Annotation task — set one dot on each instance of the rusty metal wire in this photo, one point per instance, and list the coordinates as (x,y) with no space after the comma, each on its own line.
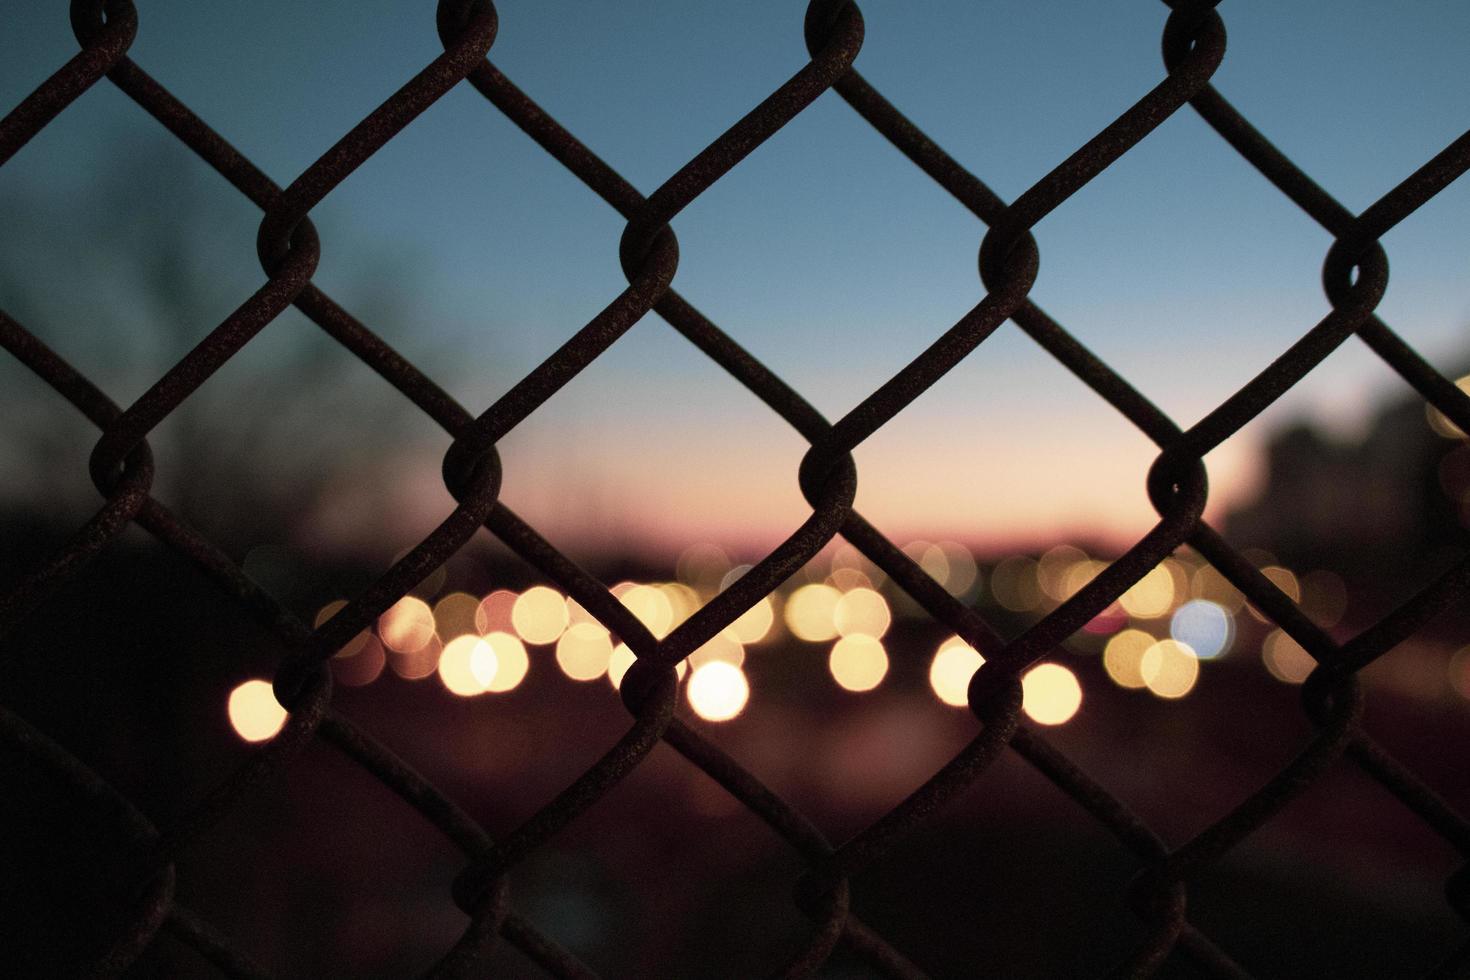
(1355,274)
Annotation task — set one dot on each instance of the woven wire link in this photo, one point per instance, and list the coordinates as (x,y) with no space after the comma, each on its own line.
(1355,275)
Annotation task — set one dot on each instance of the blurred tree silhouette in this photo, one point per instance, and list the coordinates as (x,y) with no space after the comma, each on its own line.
(122,279)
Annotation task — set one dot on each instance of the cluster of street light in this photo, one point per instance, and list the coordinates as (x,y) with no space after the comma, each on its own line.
(1153,638)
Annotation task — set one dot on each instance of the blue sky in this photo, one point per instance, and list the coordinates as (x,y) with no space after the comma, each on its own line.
(825,253)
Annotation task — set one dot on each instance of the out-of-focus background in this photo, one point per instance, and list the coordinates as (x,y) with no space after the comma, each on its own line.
(834,261)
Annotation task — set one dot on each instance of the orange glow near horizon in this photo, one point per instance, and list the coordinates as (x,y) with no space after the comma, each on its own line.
(1086,482)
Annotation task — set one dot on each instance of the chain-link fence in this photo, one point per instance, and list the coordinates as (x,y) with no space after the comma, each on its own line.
(134,895)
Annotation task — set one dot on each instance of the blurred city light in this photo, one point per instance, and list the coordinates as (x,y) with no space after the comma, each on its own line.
(1013,584)
(719,647)
(455,614)
(353,645)
(955,662)
(754,625)
(407,626)
(1285,658)
(718,691)
(466,665)
(651,607)
(1208,583)
(858,662)
(494,612)
(1440,422)
(362,666)
(511,662)
(811,612)
(618,663)
(1054,571)
(254,712)
(1169,668)
(702,566)
(861,611)
(1324,597)
(1050,694)
(1285,580)
(584,651)
(1151,596)
(1123,657)
(540,615)
(415,665)
(1204,627)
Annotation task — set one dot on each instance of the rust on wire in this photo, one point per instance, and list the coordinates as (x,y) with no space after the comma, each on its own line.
(1355,274)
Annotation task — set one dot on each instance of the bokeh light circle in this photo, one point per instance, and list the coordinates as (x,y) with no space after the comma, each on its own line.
(1123,657)
(811,612)
(584,651)
(753,625)
(407,625)
(862,611)
(1170,669)
(718,691)
(955,662)
(466,665)
(1204,626)
(1151,596)
(858,662)
(254,712)
(1285,658)
(540,615)
(1051,694)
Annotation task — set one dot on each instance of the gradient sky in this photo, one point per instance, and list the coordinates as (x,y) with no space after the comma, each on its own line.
(825,253)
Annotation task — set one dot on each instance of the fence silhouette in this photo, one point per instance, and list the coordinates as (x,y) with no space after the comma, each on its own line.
(1354,277)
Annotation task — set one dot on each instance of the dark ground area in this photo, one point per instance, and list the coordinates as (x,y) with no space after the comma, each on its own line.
(324,872)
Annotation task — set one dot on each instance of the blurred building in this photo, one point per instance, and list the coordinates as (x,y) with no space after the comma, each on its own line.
(1376,510)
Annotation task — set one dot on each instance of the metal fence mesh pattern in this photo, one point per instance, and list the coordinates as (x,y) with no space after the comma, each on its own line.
(1355,275)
